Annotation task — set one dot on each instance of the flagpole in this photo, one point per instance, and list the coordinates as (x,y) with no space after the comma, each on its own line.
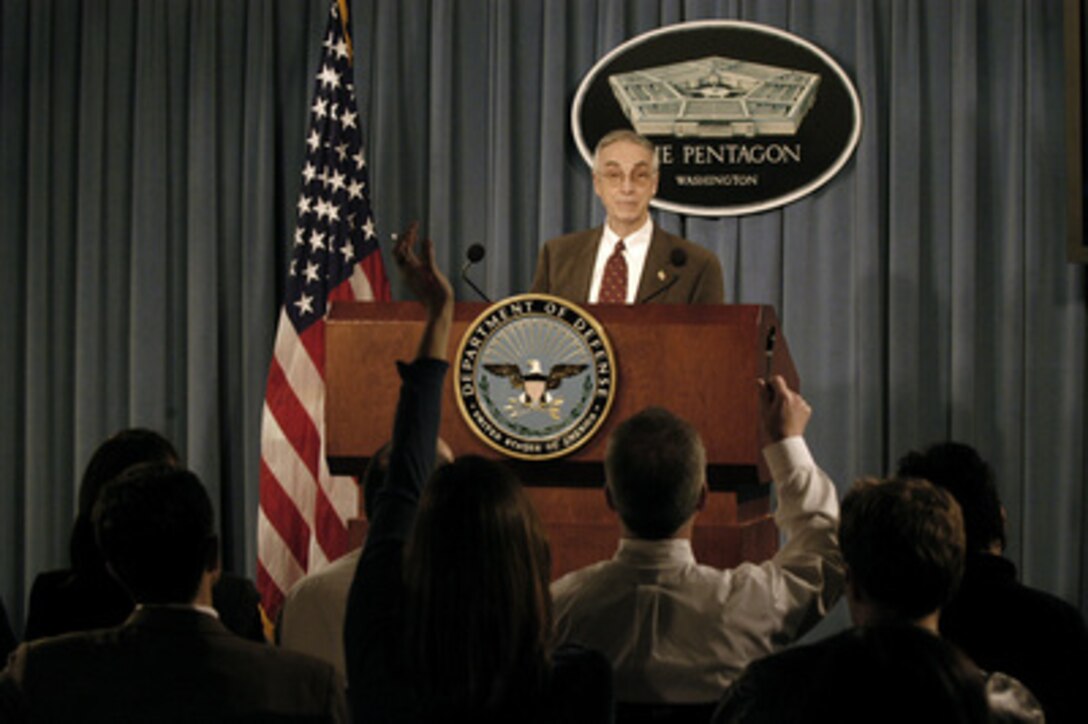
(345,23)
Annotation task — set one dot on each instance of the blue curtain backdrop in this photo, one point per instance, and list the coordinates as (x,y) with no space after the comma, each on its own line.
(149,161)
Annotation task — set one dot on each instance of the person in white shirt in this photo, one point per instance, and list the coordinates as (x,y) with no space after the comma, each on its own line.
(677,631)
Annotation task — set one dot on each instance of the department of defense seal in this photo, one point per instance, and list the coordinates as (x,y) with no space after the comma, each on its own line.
(535,376)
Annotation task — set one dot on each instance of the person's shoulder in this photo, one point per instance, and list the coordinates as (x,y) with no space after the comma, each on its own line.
(991,581)
(316,588)
(693,250)
(797,660)
(68,647)
(49,580)
(574,238)
(582,580)
(342,568)
(1010,701)
(257,657)
(770,687)
(1053,605)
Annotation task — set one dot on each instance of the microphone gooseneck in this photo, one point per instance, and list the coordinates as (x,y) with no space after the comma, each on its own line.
(474,254)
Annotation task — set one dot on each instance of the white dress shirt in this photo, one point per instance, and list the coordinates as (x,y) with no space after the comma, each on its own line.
(677,631)
(636,247)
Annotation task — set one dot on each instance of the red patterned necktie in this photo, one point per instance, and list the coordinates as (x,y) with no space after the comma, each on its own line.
(614,281)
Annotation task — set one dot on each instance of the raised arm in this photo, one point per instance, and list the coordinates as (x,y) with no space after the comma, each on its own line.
(415,429)
(430,286)
(375,602)
(808,565)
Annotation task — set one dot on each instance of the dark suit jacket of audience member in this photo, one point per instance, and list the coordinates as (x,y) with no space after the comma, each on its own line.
(565,269)
(1031,635)
(63,602)
(886,674)
(168,665)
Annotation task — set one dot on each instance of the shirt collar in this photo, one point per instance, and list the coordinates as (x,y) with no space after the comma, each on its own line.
(666,553)
(206,610)
(637,241)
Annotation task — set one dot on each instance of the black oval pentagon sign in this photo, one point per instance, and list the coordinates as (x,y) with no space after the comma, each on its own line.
(745,117)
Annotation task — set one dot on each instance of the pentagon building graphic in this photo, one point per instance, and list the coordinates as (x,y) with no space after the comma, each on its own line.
(715,97)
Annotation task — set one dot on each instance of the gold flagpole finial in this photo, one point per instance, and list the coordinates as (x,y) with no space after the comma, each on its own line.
(345,26)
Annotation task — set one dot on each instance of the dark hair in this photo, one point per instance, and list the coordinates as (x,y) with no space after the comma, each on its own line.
(123,450)
(154,525)
(896,675)
(476,572)
(655,468)
(903,540)
(960,470)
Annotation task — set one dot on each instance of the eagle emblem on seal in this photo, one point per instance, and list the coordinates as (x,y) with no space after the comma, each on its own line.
(536,386)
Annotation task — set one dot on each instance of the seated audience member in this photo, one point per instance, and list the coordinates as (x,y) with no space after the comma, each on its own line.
(171,661)
(449,617)
(894,674)
(7,636)
(903,543)
(312,617)
(677,631)
(1000,623)
(85,596)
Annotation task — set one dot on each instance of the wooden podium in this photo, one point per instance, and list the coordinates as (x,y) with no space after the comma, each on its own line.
(700,362)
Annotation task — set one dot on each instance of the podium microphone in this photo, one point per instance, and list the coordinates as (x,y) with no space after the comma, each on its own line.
(475,254)
(677,258)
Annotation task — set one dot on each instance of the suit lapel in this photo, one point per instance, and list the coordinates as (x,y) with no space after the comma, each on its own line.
(581,271)
(657,260)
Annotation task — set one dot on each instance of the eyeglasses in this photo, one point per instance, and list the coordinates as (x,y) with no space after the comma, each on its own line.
(640,177)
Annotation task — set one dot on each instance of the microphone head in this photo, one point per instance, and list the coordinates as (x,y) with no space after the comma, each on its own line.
(476,252)
(678,257)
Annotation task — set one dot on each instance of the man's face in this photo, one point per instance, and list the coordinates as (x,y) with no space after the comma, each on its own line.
(625,181)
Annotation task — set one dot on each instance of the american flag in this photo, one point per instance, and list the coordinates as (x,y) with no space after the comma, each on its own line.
(301,523)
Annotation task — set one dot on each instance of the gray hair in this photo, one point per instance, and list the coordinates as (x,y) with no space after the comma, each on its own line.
(655,468)
(625,134)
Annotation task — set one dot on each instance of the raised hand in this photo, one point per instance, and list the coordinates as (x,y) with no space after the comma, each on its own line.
(784,413)
(420,272)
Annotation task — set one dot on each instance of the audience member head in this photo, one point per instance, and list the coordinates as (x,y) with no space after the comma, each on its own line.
(896,675)
(476,570)
(960,470)
(154,526)
(121,451)
(655,472)
(903,543)
(378,468)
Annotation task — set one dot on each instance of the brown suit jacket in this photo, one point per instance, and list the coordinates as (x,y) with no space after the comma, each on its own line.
(565,268)
(166,665)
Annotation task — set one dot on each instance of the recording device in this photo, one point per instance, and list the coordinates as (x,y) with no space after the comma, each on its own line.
(677,259)
(768,360)
(474,254)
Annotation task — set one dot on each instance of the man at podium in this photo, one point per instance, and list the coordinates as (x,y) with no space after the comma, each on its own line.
(628,260)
